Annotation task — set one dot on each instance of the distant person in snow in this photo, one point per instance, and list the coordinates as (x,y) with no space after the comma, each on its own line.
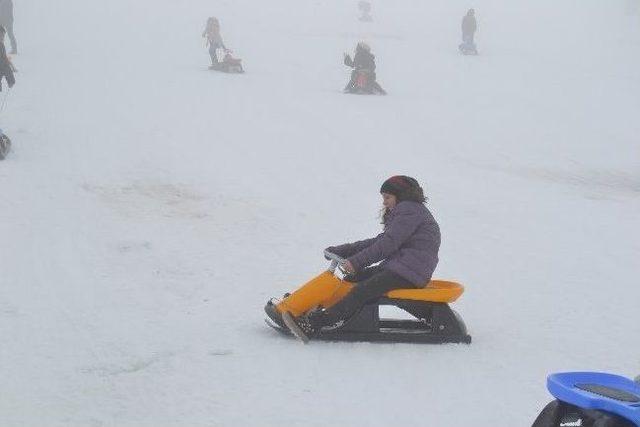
(363,76)
(365,10)
(6,71)
(214,40)
(6,67)
(6,20)
(469,28)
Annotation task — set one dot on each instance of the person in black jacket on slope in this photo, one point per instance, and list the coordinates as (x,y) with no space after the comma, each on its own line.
(363,76)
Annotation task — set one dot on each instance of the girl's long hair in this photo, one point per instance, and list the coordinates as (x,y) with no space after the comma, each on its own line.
(413,193)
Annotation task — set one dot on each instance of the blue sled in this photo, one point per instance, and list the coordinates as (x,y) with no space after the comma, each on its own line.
(599,391)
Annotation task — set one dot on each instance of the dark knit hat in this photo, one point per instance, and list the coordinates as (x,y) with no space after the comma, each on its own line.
(398,185)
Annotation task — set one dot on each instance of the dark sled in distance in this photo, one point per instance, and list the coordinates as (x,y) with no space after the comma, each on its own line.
(229,64)
(364,84)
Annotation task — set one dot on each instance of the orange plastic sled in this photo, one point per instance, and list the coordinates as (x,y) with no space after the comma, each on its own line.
(326,289)
(433,321)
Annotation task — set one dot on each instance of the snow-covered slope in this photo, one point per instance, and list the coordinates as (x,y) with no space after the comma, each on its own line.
(150,207)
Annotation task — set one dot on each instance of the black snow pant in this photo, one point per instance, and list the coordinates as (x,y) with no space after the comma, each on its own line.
(370,284)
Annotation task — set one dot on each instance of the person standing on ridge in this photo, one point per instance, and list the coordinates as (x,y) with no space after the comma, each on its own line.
(6,71)
(365,10)
(6,68)
(6,20)
(469,28)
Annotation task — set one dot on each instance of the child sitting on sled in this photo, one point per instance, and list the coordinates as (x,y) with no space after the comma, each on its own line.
(408,248)
(364,67)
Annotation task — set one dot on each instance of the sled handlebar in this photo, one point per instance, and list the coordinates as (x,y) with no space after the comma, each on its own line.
(335,260)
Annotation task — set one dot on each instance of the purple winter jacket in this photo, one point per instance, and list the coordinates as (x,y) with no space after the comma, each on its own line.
(408,246)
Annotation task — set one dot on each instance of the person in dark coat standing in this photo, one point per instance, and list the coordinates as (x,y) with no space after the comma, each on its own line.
(407,253)
(469,27)
(363,61)
(6,71)
(6,20)
(6,68)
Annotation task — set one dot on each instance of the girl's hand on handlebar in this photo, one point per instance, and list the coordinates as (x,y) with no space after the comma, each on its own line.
(347,267)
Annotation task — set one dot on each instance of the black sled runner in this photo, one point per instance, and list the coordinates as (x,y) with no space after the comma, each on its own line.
(431,318)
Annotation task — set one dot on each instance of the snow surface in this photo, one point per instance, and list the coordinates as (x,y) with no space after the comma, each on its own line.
(149,207)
